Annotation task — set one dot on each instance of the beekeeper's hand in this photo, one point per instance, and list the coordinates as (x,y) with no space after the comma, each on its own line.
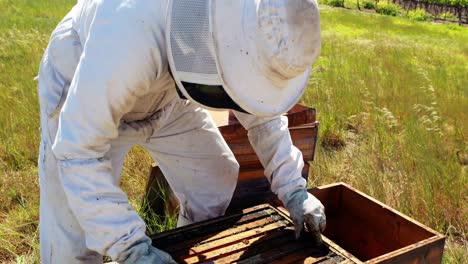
(304,208)
(144,253)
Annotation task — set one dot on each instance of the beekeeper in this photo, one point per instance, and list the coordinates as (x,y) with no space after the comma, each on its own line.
(126,72)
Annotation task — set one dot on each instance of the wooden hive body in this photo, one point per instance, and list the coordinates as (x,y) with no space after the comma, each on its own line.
(359,229)
(261,234)
(373,232)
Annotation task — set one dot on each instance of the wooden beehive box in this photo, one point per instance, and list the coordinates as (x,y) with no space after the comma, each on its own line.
(372,232)
(260,234)
(359,230)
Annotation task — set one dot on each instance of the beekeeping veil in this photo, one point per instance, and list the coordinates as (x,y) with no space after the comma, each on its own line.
(248,55)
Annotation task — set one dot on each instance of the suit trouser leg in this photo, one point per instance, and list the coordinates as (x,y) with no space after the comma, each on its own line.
(198,164)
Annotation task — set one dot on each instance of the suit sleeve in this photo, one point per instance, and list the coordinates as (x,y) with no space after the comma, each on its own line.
(283,162)
(117,66)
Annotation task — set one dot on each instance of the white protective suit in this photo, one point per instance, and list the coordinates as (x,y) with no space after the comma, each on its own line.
(105,86)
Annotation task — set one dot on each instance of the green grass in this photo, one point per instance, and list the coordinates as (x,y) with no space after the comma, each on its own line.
(395,93)
(391,96)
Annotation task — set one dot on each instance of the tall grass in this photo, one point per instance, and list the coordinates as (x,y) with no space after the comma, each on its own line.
(391,97)
(25,27)
(394,93)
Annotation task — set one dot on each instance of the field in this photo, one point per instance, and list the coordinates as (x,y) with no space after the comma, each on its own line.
(391,97)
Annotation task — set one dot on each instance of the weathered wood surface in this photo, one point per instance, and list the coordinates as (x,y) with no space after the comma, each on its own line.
(260,234)
(374,232)
(303,137)
(359,229)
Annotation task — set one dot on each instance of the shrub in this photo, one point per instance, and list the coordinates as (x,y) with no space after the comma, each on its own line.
(388,9)
(418,14)
(448,16)
(335,3)
(368,4)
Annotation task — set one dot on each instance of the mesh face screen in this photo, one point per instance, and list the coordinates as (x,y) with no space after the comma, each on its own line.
(191,43)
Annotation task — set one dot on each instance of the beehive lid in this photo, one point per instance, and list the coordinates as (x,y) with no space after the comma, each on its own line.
(261,234)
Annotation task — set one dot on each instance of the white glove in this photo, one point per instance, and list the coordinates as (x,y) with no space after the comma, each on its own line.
(144,253)
(303,208)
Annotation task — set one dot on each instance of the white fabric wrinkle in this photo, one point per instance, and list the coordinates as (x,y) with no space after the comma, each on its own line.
(115,65)
(272,143)
(147,128)
(51,90)
(161,117)
(64,58)
(100,206)
(55,74)
(199,165)
(111,71)
(123,66)
(183,221)
(53,84)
